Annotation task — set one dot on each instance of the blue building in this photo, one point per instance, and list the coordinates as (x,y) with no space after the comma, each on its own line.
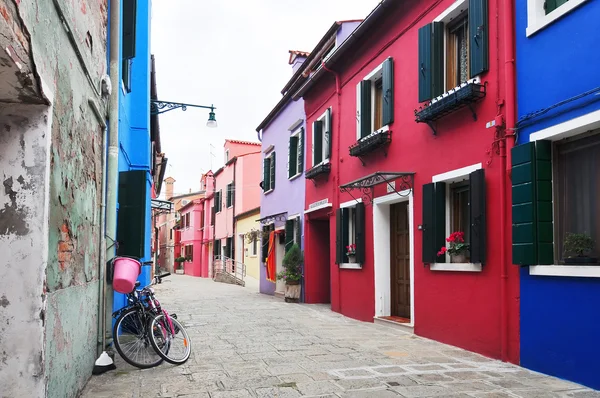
(137,140)
(556,186)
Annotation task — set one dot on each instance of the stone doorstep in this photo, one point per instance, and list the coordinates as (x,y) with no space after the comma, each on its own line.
(396,325)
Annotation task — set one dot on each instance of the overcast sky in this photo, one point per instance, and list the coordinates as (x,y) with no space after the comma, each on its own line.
(233,54)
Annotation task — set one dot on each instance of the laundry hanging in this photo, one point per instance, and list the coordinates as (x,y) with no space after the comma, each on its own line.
(271,263)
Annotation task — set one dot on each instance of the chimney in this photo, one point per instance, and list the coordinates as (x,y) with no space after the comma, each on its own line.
(297,58)
(169,187)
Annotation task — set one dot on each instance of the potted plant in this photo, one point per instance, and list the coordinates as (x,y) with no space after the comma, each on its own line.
(458,248)
(351,253)
(292,273)
(179,260)
(579,245)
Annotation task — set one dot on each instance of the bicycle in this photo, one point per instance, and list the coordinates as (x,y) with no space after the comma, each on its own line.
(143,323)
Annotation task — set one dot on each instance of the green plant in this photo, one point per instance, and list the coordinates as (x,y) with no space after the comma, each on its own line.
(457,244)
(180,259)
(253,235)
(292,264)
(578,244)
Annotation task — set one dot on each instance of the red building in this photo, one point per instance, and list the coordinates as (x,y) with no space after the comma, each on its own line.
(405,121)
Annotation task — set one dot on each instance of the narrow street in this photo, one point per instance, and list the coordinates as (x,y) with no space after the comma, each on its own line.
(250,345)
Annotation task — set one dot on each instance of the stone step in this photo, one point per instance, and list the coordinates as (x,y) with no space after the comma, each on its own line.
(406,327)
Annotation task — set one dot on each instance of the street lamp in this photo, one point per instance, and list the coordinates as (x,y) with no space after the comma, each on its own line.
(157,107)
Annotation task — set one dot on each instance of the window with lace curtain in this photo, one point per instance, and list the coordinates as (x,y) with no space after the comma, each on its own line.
(457,52)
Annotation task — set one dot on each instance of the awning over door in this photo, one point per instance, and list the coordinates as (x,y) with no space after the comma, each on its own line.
(364,187)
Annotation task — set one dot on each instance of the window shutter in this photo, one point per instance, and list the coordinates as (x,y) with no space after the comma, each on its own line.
(359,228)
(289,235)
(212,215)
(232,194)
(327,135)
(273,171)
(317,142)
(478,36)
(425,76)
(265,243)
(388,91)
(301,151)
(298,232)
(232,248)
(228,195)
(293,157)
(345,233)
(339,251)
(266,174)
(437,59)
(429,250)
(477,216)
(365,108)
(544,207)
(220,202)
(440,219)
(131,220)
(358,118)
(129,16)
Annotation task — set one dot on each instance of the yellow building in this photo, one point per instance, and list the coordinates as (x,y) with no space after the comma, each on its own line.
(247,247)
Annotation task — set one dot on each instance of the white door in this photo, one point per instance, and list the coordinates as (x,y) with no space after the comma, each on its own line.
(280,285)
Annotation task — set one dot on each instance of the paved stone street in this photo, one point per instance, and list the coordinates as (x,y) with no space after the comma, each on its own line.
(245,344)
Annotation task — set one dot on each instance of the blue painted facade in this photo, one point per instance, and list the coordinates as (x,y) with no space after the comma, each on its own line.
(134,125)
(557,72)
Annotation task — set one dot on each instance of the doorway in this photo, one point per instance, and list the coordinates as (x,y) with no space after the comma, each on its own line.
(400,261)
(317,263)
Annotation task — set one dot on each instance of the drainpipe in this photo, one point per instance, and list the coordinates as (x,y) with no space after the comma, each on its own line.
(112,178)
(234,238)
(509,89)
(336,192)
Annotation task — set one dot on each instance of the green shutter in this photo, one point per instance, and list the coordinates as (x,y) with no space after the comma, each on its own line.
(129,16)
(339,251)
(365,108)
(477,216)
(359,237)
(289,234)
(437,59)
(551,5)
(317,142)
(327,141)
(425,76)
(293,157)
(273,171)
(345,240)
(301,151)
(265,243)
(131,217)
(429,249)
(440,219)
(228,195)
(266,174)
(298,232)
(478,36)
(532,204)
(388,91)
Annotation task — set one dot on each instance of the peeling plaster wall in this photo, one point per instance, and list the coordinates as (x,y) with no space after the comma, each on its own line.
(23,244)
(53,33)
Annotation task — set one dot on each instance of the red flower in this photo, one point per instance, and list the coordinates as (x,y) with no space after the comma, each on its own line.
(442,251)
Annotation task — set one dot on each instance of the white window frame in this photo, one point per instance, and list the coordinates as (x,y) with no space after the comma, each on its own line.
(537,18)
(446,17)
(296,133)
(570,128)
(326,122)
(351,204)
(450,177)
(269,156)
(373,76)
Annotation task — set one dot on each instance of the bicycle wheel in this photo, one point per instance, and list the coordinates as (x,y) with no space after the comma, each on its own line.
(174,347)
(132,341)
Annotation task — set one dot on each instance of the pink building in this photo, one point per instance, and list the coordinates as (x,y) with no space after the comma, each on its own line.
(191,228)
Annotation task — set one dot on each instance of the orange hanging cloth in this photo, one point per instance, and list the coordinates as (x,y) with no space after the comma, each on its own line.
(271,265)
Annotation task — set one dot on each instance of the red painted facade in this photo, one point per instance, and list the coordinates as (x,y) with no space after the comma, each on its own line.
(466,309)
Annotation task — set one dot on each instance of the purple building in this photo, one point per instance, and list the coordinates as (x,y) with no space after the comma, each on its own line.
(282,134)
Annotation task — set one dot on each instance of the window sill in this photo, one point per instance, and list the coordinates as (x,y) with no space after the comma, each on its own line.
(350,266)
(542,20)
(460,267)
(269,191)
(294,176)
(577,271)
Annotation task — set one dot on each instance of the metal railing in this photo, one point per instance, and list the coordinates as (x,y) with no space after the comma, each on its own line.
(226,265)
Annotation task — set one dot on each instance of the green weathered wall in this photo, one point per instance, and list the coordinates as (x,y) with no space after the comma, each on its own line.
(72,273)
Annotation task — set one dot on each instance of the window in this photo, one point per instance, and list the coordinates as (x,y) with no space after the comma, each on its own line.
(128,41)
(296,153)
(202,219)
(293,233)
(321,139)
(189,252)
(230,193)
(227,156)
(170,234)
(217,247)
(453,48)
(218,201)
(350,230)
(229,248)
(375,100)
(455,202)
(254,247)
(187,220)
(269,173)
(543,12)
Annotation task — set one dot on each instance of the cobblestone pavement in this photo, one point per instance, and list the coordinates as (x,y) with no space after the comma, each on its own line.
(245,344)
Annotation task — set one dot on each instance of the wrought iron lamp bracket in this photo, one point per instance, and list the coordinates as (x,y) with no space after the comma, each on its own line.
(157,107)
(273,218)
